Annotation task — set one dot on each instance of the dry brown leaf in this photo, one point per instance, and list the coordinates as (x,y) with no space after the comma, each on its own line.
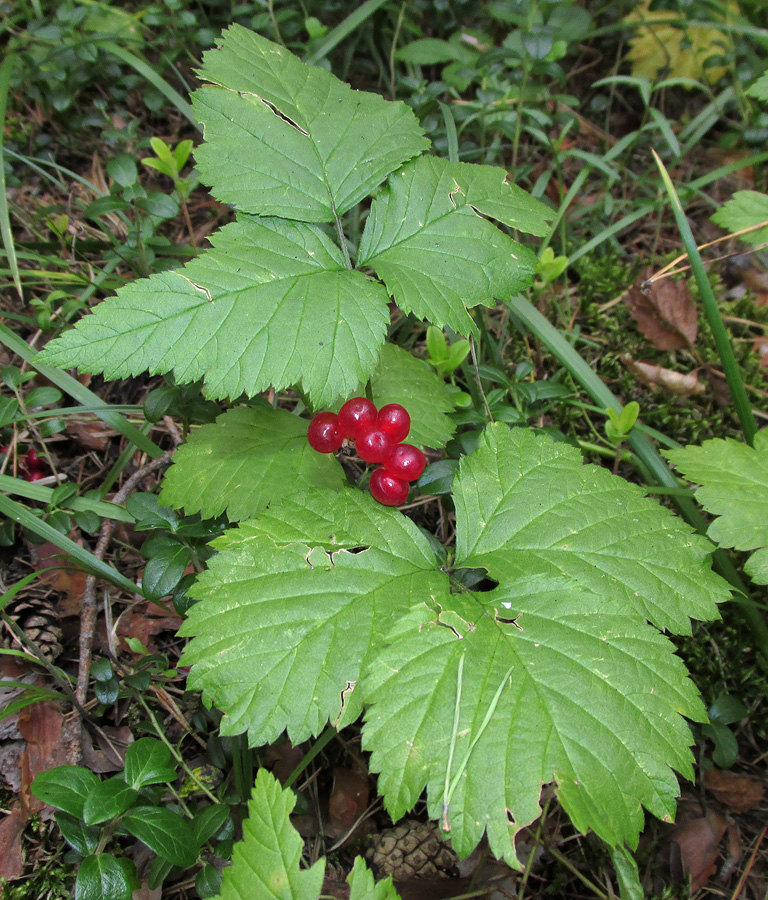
(49,744)
(667,314)
(113,741)
(11,853)
(741,793)
(65,577)
(698,839)
(91,433)
(680,384)
(144,621)
(348,800)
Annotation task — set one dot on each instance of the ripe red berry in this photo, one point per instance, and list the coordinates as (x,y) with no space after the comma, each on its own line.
(394,419)
(404,461)
(387,489)
(324,433)
(357,416)
(34,475)
(372,445)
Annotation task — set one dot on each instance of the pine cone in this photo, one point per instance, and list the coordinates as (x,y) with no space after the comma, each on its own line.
(37,618)
(412,850)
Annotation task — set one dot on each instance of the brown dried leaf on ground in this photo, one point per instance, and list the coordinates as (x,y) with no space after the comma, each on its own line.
(144,621)
(91,433)
(741,793)
(666,314)
(680,384)
(11,852)
(695,843)
(348,800)
(49,744)
(65,577)
(113,741)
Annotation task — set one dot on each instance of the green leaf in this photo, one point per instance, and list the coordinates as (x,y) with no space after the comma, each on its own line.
(148,761)
(745,209)
(108,799)
(286,139)
(165,832)
(426,239)
(81,837)
(401,378)
(288,615)
(526,505)
(249,458)
(65,787)
(102,877)
(734,488)
(265,864)
(759,88)
(158,204)
(123,170)
(209,821)
(164,570)
(272,304)
(148,512)
(432,51)
(362,885)
(555,687)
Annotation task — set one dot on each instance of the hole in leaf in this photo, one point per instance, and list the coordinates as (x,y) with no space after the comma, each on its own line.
(476,580)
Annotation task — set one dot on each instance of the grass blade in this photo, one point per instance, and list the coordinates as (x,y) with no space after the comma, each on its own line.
(6,70)
(712,312)
(80,392)
(336,35)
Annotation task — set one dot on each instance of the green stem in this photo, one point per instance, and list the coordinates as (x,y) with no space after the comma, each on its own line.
(712,312)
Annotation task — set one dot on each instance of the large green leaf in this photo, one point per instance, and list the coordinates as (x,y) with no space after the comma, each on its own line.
(401,378)
(734,487)
(328,603)
(247,459)
(554,687)
(294,603)
(526,505)
(271,304)
(286,139)
(425,238)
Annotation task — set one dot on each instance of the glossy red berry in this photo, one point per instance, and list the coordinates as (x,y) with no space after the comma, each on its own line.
(31,460)
(372,445)
(324,433)
(395,421)
(404,461)
(357,416)
(387,489)
(34,475)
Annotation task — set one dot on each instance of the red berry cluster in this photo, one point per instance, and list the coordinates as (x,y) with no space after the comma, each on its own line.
(378,437)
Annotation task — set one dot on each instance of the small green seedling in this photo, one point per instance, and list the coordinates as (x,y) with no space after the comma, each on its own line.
(170,162)
(446,358)
(549,267)
(619,425)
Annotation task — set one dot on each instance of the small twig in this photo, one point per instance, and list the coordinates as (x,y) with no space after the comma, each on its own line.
(89,609)
(750,863)
(473,351)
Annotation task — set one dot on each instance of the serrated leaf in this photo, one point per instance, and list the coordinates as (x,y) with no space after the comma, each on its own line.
(249,458)
(287,139)
(425,238)
(402,378)
(288,614)
(745,209)
(362,885)
(265,864)
(553,688)
(165,832)
(760,88)
(734,487)
(271,305)
(526,505)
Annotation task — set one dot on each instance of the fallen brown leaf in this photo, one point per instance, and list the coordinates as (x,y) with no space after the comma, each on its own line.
(65,577)
(144,621)
(348,800)
(678,383)
(666,314)
(11,852)
(697,838)
(49,744)
(91,433)
(741,793)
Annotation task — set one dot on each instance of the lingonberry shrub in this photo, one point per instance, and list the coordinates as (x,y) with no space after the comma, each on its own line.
(563,672)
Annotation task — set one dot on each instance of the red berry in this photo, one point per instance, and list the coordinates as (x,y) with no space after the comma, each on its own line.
(373,445)
(324,434)
(34,475)
(394,419)
(404,461)
(387,489)
(357,416)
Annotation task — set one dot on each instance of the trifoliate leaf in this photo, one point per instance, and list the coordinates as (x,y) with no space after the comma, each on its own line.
(401,378)
(293,605)
(526,505)
(425,238)
(271,305)
(745,210)
(249,458)
(286,139)
(266,863)
(486,697)
(734,487)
